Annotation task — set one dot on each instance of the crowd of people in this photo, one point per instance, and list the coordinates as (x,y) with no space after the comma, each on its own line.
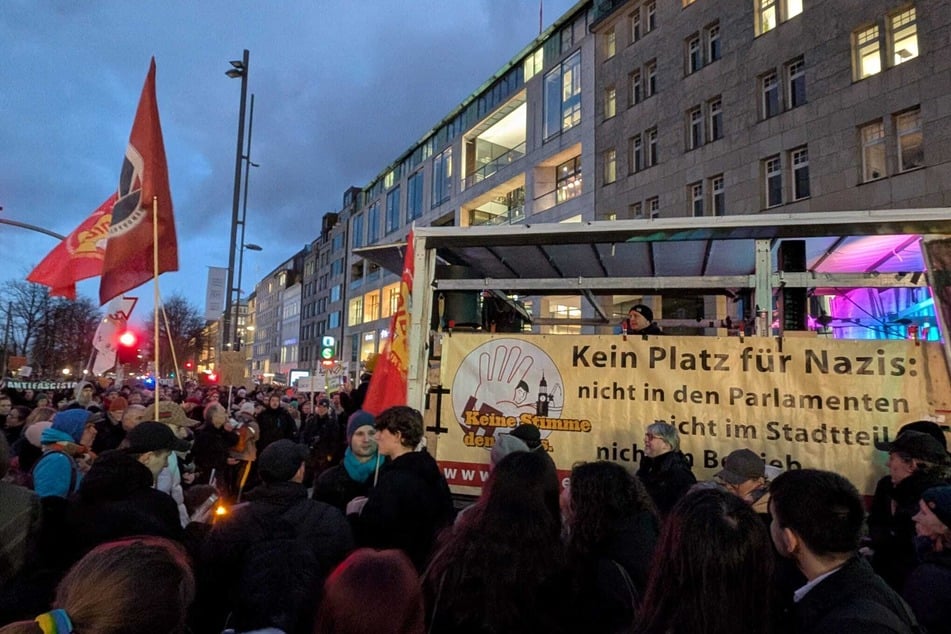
(233,510)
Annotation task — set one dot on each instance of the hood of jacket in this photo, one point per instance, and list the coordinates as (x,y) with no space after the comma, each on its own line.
(114,475)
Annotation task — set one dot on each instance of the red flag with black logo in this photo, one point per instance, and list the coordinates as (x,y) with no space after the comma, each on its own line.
(388,386)
(128,260)
(78,256)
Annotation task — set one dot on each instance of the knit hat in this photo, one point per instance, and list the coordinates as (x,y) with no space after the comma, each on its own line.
(72,422)
(118,404)
(169,413)
(917,445)
(645,311)
(324,402)
(742,465)
(246,408)
(938,500)
(504,445)
(357,420)
(280,460)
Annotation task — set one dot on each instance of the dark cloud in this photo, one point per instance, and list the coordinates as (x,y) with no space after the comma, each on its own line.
(341,90)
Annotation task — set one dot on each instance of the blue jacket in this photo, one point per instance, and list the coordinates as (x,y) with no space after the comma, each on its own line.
(53,472)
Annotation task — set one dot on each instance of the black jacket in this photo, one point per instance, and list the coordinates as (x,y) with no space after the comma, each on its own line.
(666,478)
(211,450)
(892,535)
(928,590)
(853,600)
(266,562)
(408,507)
(275,424)
(336,488)
(116,499)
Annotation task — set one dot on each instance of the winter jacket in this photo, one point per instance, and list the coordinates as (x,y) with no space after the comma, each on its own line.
(275,424)
(266,562)
(169,481)
(928,589)
(53,474)
(210,451)
(19,528)
(892,535)
(336,487)
(408,507)
(116,500)
(666,478)
(853,600)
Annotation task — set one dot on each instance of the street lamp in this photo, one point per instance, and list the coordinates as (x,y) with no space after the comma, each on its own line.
(250,246)
(238,69)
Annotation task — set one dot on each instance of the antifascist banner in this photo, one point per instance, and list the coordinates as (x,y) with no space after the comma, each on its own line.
(388,385)
(79,256)
(798,402)
(128,259)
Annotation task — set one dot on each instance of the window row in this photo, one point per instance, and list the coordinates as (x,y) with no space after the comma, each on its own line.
(785,177)
(907,131)
(704,123)
(702,48)
(782,89)
(365,227)
(650,205)
(707,198)
(876,46)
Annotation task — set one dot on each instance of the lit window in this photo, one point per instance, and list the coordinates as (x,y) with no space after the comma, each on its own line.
(873,151)
(651,84)
(793,8)
(796,83)
(371,304)
(770,92)
(903,31)
(695,123)
(910,151)
(637,153)
(610,166)
(610,44)
(637,89)
(568,180)
(355,312)
(772,170)
(652,158)
(687,3)
(800,173)
(868,57)
(610,102)
(653,207)
(766,16)
(718,198)
(715,109)
(651,9)
(694,57)
(713,43)
(696,199)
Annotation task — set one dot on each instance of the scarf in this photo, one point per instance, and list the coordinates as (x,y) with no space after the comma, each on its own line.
(359,471)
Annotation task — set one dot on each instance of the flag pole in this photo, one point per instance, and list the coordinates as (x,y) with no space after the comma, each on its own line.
(155,273)
(171,347)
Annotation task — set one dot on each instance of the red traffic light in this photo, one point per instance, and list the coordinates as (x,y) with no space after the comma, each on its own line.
(189,365)
(212,377)
(128,339)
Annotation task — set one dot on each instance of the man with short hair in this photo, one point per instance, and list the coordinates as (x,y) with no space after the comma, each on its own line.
(817,522)
(117,499)
(267,562)
(275,422)
(356,474)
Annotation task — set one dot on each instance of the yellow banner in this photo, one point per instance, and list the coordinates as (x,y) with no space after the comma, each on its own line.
(799,402)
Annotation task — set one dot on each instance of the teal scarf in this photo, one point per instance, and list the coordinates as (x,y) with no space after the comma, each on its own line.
(359,471)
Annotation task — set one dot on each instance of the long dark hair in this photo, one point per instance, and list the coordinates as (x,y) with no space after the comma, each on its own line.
(502,550)
(712,569)
(603,495)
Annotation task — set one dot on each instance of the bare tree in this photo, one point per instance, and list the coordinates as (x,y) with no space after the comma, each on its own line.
(27,304)
(185,323)
(63,339)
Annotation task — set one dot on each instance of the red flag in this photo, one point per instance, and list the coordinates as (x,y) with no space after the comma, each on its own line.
(388,386)
(128,260)
(78,256)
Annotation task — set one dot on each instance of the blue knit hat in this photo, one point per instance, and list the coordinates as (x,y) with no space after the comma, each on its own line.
(72,422)
(357,420)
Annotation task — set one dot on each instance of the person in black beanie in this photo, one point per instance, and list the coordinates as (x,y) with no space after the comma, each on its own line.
(358,472)
(640,321)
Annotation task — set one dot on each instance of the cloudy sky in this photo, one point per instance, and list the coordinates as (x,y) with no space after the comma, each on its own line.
(341,89)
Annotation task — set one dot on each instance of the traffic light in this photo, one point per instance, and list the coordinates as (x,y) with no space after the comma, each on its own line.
(328,350)
(189,365)
(127,350)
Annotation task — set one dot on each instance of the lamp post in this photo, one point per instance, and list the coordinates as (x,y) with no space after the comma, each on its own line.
(238,69)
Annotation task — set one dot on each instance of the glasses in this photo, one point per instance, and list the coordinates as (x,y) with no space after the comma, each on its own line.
(649,437)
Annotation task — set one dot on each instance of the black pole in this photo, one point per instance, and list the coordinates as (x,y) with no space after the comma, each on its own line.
(226,336)
(244,216)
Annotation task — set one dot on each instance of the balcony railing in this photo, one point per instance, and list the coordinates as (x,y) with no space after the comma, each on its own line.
(495,165)
(512,216)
